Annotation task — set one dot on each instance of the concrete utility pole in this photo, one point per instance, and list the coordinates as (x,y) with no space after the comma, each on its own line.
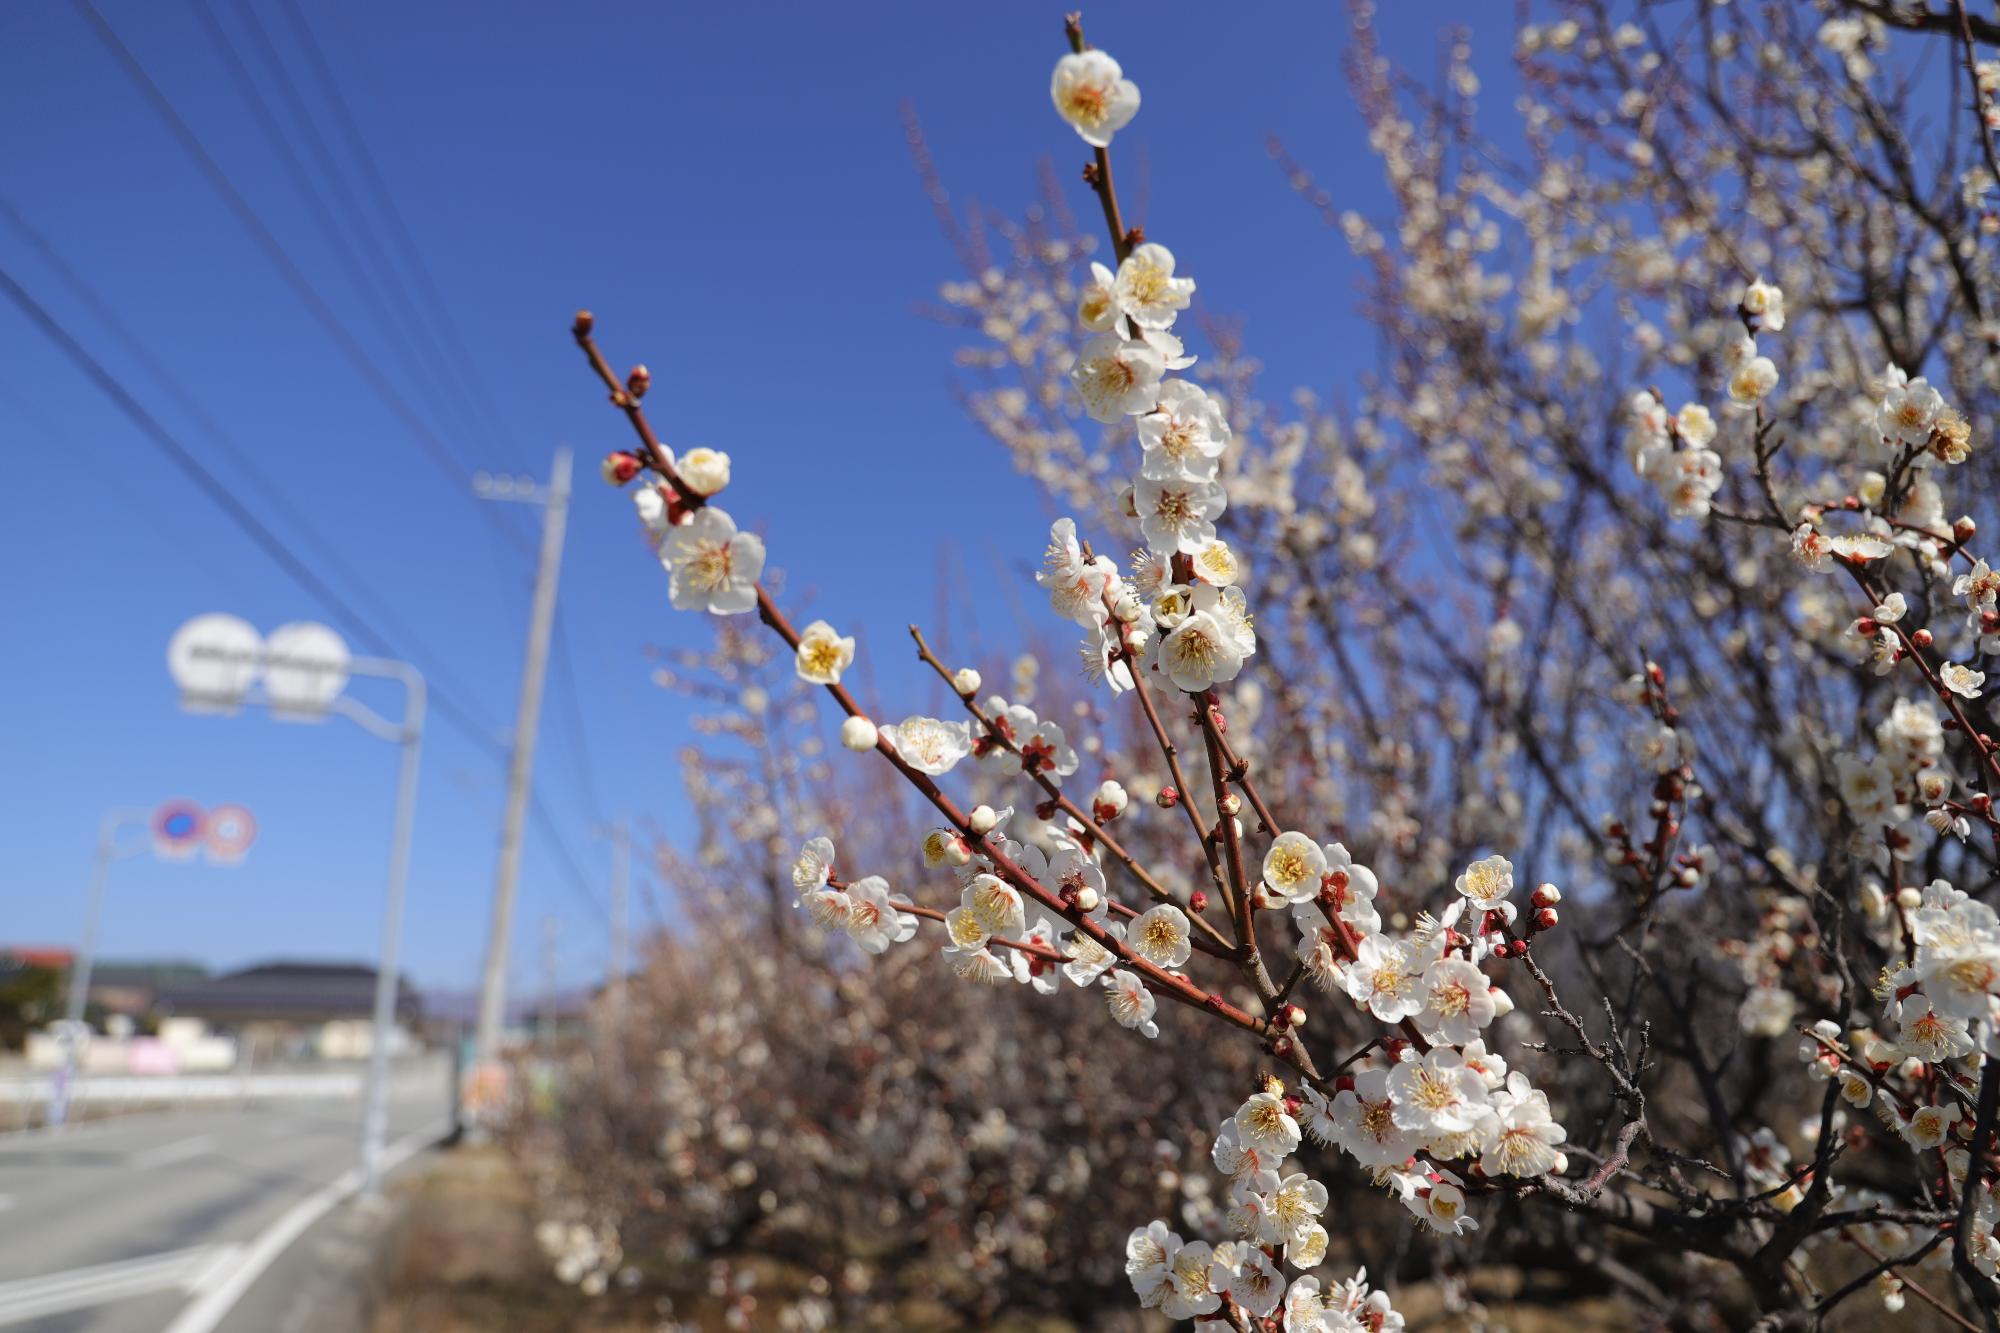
(621,879)
(551,959)
(554,499)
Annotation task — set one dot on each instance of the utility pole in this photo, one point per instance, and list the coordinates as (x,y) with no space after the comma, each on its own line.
(550,959)
(554,499)
(614,992)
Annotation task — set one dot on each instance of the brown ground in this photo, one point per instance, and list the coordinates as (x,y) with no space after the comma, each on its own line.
(471,1266)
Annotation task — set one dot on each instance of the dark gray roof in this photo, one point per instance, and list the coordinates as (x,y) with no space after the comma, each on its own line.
(287,991)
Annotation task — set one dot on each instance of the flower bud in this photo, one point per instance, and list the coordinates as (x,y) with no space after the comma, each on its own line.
(983,819)
(706,471)
(1167,799)
(619,467)
(1546,895)
(857,733)
(1922,638)
(1127,609)
(1088,899)
(1294,1016)
(1198,902)
(966,681)
(1964,529)
(1545,918)
(640,380)
(1503,1003)
(1109,801)
(1231,803)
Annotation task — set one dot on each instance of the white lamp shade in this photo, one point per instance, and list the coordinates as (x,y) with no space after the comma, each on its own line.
(305,669)
(214,659)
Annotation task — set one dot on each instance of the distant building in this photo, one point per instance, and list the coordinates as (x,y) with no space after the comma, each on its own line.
(294,1009)
(132,987)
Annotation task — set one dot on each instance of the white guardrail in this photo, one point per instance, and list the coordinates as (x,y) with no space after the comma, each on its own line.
(38,1088)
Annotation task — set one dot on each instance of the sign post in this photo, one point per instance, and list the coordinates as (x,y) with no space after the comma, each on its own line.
(304,669)
(180,830)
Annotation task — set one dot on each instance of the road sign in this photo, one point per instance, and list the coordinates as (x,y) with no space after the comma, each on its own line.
(231,830)
(214,660)
(305,669)
(178,830)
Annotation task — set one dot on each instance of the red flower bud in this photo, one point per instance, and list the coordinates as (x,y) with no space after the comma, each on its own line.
(1922,638)
(1545,918)
(1198,901)
(640,380)
(1167,799)
(619,467)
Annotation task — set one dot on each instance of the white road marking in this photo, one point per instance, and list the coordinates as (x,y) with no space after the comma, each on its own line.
(171,1152)
(82,1288)
(224,1285)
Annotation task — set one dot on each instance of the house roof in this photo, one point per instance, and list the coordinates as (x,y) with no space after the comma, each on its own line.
(286,991)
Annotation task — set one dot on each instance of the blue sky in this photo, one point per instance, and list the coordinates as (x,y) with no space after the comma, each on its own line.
(728,187)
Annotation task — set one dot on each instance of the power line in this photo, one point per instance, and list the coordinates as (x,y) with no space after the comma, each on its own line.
(438,366)
(325,554)
(301,573)
(317,205)
(433,447)
(408,346)
(458,359)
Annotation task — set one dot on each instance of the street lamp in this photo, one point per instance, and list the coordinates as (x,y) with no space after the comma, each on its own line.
(304,668)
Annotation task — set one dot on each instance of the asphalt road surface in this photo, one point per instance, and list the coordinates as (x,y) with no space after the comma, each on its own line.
(163,1220)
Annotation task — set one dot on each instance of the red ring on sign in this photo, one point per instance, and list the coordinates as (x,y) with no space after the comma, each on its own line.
(231,830)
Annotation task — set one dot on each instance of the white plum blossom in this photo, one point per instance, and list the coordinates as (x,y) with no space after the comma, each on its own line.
(1751,382)
(1458,1001)
(1076,586)
(1487,882)
(1200,652)
(1438,1201)
(1435,1094)
(1364,1117)
(873,921)
(712,566)
(1146,290)
(1089,960)
(823,654)
(1160,936)
(1184,435)
(1961,680)
(1930,1036)
(1384,981)
(1928,1126)
(1294,867)
(1093,95)
(1265,1124)
(929,745)
(1527,1138)
(705,471)
(1131,1003)
(1149,1257)
(1178,514)
(1766,303)
(1117,377)
(1908,412)
(994,904)
(1249,1278)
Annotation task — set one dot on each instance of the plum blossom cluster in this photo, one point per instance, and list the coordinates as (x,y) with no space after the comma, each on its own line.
(1760,864)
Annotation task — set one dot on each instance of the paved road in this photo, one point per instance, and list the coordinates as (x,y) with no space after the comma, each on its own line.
(123,1226)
